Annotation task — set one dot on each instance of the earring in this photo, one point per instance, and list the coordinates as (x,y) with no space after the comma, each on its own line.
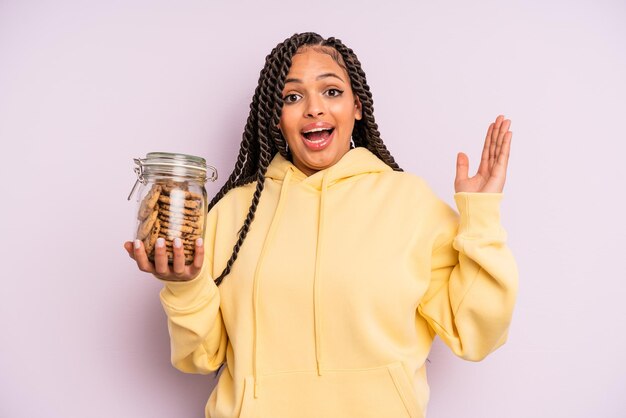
(287,147)
(352,143)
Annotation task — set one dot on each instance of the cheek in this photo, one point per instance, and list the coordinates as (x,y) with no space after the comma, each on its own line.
(287,132)
(344,111)
(289,122)
(286,123)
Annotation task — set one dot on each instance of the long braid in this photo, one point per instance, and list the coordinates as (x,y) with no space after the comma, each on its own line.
(248,143)
(262,131)
(262,139)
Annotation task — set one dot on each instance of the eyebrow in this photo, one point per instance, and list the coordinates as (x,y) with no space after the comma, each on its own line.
(319,77)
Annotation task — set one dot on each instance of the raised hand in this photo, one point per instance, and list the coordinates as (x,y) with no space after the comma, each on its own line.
(178,271)
(491,173)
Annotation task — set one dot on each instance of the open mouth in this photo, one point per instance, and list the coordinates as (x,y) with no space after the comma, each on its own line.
(318,135)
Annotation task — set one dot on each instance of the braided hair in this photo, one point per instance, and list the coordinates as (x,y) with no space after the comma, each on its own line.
(262,138)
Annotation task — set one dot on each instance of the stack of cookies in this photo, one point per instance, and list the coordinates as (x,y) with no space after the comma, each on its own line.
(170,210)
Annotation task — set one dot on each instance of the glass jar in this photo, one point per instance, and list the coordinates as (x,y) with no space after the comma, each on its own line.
(171,201)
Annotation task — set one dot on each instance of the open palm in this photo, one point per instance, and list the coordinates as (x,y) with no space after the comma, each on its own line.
(491,173)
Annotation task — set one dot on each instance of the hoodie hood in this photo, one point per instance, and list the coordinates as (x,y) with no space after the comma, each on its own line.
(355,162)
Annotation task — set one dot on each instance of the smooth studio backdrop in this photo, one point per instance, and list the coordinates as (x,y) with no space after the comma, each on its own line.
(85,86)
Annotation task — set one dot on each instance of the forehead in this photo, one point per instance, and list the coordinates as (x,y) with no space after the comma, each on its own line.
(313,62)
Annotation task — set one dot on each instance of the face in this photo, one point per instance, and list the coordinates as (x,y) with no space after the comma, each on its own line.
(319,111)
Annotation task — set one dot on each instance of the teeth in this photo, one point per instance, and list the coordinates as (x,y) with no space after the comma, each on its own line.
(316,141)
(317,130)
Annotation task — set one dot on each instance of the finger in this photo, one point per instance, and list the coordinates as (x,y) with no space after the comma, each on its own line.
(141,258)
(160,257)
(496,131)
(178,266)
(503,130)
(128,246)
(483,168)
(503,157)
(494,140)
(198,257)
(462,167)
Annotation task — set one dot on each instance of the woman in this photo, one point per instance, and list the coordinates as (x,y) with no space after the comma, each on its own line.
(335,269)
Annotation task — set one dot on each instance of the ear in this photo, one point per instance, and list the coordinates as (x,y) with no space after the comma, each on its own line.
(358,108)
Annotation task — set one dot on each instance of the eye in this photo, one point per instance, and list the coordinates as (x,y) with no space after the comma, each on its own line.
(334,92)
(291,98)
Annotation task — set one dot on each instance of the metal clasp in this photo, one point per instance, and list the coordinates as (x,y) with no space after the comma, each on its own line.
(214,174)
(139,171)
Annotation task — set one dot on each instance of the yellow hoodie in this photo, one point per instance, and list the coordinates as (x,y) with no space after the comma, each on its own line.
(342,283)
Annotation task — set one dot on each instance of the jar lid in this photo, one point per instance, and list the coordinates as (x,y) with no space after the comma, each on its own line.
(173,164)
(167,164)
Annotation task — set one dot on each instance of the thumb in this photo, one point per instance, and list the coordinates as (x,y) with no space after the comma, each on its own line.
(462,166)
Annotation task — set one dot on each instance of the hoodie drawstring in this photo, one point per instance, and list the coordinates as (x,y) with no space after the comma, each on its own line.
(255,285)
(316,279)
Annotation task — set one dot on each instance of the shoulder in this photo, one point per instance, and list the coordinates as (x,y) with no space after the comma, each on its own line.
(410,183)
(418,193)
(236,199)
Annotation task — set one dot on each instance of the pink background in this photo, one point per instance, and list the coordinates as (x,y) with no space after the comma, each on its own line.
(87,86)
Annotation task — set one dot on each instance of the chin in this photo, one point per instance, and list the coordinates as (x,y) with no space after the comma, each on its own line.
(321,160)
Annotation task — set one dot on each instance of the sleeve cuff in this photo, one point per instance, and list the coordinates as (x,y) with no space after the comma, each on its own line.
(189,294)
(479,214)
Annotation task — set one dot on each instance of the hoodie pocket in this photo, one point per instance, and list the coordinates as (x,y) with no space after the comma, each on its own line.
(248,394)
(405,390)
(383,391)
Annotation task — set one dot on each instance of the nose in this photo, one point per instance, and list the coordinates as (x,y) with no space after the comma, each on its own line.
(314,107)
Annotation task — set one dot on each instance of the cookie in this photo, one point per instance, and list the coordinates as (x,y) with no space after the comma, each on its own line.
(169,238)
(186,251)
(189,238)
(181,221)
(184,195)
(151,239)
(146,226)
(178,211)
(188,246)
(177,217)
(170,234)
(180,227)
(179,203)
(148,203)
(169,185)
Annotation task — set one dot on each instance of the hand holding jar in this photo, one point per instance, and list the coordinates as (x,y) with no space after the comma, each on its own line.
(171,213)
(178,270)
